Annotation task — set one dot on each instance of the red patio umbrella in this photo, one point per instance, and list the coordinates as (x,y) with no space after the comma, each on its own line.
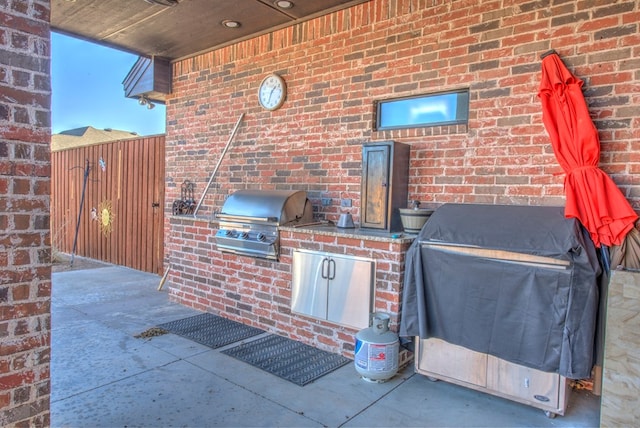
(591,196)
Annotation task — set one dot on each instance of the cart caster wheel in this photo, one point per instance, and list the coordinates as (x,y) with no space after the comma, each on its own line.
(432,379)
(549,414)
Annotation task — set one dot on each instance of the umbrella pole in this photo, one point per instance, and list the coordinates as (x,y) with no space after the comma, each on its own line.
(547,53)
(606,263)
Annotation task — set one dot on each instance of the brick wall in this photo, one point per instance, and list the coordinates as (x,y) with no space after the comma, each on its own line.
(258,292)
(25,273)
(336,66)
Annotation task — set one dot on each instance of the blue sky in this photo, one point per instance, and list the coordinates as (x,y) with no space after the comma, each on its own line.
(87,89)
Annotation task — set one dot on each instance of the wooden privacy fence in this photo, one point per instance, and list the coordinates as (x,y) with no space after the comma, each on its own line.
(122,216)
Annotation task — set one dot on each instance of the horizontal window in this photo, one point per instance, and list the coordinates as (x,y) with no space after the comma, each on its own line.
(444,108)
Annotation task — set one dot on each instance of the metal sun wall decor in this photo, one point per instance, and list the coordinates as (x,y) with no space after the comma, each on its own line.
(106,218)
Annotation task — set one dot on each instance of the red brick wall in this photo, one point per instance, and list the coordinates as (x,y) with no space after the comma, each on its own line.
(336,66)
(25,272)
(258,292)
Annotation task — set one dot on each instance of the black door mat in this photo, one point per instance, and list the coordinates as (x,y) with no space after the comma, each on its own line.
(210,330)
(287,359)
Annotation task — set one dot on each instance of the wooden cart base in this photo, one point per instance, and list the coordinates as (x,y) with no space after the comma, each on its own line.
(440,360)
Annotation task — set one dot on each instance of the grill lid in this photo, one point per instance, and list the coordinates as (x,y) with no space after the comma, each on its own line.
(269,206)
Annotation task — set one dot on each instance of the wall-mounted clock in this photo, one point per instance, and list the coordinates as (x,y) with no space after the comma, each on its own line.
(272,92)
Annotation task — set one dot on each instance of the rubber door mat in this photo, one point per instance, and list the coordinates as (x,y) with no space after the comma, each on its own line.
(287,359)
(210,330)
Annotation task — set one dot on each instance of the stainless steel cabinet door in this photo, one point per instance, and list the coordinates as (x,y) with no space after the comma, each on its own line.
(309,284)
(350,291)
(333,288)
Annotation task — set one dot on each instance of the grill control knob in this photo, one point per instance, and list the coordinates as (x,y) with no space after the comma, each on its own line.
(226,232)
(244,235)
(261,237)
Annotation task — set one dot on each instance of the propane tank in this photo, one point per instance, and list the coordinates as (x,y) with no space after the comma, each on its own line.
(377,348)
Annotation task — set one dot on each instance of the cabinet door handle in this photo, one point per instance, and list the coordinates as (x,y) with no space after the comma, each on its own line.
(332,272)
(325,268)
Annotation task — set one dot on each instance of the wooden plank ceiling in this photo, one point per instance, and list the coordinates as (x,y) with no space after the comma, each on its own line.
(149,28)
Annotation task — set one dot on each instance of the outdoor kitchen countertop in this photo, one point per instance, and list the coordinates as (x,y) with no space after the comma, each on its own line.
(326,228)
(330,229)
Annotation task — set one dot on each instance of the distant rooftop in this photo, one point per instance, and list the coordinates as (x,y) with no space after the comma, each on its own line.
(87,136)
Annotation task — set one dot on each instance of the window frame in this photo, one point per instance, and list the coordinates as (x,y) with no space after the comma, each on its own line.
(461,114)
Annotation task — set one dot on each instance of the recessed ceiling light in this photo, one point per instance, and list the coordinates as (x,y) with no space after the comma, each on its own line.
(230,24)
(283,4)
(168,3)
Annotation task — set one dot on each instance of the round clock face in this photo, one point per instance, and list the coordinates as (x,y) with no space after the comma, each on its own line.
(272,92)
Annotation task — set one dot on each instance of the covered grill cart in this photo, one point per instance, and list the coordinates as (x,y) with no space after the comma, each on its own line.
(503,299)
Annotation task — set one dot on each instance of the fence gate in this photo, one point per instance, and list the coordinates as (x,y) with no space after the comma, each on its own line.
(122,216)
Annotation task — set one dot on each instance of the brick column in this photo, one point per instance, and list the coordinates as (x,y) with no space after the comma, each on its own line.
(25,269)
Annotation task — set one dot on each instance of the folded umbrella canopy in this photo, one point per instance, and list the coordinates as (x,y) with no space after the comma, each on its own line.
(591,196)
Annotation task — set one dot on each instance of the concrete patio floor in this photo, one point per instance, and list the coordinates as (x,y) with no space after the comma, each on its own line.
(102,376)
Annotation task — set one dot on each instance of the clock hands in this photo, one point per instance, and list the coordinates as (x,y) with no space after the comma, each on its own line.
(270,94)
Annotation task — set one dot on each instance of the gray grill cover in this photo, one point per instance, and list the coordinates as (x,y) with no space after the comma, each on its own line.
(533,315)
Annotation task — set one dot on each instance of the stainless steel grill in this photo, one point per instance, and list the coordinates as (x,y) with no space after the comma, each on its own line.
(249,220)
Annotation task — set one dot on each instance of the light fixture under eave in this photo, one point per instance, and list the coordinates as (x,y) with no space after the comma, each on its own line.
(230,24)
(144,101)
(283,4)
(167,3)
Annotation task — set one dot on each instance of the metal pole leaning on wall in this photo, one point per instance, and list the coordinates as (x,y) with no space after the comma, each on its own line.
(84,188)
(204,193)
(215,170)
